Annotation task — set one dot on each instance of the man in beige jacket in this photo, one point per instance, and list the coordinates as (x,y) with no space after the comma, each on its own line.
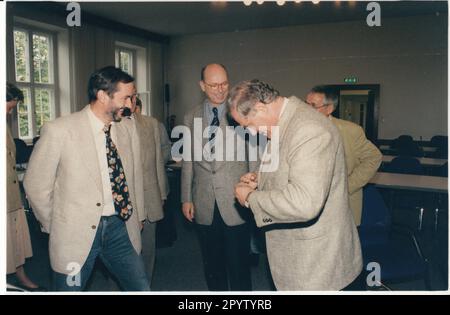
(154,179)
(84,183)
(362,157)
(302,201)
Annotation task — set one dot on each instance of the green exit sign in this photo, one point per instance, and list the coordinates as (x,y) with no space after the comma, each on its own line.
(351,80)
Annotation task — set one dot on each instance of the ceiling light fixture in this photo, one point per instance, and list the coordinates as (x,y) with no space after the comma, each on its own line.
(315,1)
(281,2)
(248,2)
(259,1)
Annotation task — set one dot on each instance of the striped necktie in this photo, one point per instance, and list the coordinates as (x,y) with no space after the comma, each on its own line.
(214,125)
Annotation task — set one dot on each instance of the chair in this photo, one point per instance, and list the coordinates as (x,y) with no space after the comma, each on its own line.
(405,145)
(393,247)
(437,141)
(441,144)
(407,200)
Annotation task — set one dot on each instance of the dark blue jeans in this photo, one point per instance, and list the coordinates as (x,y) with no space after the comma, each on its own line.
(113,246)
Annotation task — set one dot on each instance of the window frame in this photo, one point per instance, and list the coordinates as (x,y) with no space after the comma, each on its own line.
(121,48)
(31,30)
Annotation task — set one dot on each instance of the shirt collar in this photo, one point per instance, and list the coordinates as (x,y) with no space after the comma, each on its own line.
(209,108)
(96,123)
(286,100)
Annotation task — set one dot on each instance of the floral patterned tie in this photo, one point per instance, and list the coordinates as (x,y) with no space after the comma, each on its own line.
(119,187)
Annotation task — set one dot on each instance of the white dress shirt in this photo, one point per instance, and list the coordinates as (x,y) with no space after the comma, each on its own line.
(100,143)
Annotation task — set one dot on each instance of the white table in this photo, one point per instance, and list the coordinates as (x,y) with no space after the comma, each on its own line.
(423,161)
(424,148)
(411,182)
(429,149)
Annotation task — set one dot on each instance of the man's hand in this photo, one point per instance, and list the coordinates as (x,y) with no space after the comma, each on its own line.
(188,210)
(250,179)
(241,192)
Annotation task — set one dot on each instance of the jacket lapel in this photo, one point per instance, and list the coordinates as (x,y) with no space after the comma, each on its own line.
(223,127)
(200,113)
(287,115)
(87,148)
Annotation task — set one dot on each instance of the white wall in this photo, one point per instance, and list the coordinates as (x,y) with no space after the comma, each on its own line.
(406,56)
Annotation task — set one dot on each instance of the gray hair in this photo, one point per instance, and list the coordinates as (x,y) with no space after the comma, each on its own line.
(245,95)
(330,94)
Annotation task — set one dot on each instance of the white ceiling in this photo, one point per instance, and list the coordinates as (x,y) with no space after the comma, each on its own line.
(182,18)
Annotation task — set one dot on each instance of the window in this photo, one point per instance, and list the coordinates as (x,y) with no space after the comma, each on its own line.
(35,76)
(125,60)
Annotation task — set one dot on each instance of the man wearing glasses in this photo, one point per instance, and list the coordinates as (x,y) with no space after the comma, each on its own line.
(361,156)
(207,193)
(312,241)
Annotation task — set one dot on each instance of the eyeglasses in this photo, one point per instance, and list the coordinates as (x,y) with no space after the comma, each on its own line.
(216,86)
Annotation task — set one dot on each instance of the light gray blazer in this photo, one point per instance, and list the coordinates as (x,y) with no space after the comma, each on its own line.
(202,182)
(64,186)
(312,241)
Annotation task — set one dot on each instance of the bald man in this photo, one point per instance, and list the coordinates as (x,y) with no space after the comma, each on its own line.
(208,198)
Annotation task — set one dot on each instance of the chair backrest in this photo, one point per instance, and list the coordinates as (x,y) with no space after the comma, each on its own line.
(438,141)
(405,138)
(375,213)
(405,145)
(405,165)
(441,145)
